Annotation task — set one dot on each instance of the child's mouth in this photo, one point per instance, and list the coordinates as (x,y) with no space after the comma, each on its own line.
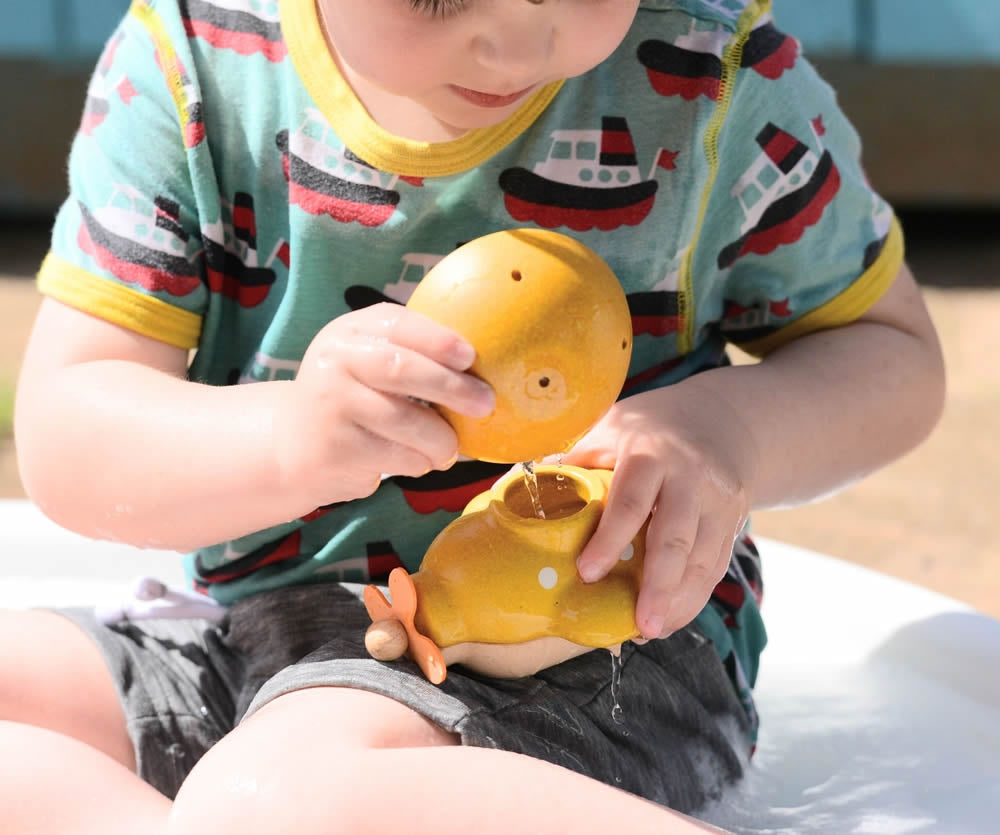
(489,99)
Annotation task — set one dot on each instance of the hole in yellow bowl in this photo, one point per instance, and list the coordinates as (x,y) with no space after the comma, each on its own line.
(559,495)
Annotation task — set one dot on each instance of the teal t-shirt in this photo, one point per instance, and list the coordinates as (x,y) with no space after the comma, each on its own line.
(229,194)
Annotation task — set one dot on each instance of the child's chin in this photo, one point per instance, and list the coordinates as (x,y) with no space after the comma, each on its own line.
(475,117)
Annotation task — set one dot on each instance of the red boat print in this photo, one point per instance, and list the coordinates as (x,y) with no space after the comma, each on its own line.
(334,181)
(239,565)
(590,180)
(657,311)
(742,323)
(729,596)
(784,192)
(382,558)
(449,490)
(689,67)
(235,271)
(102,87)
(769,51)
(651,373)
(141,242)
(238,25)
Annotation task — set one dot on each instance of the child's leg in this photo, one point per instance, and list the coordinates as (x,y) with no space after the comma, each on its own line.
(52,676)
(336,760)
(316,761)
(51,784)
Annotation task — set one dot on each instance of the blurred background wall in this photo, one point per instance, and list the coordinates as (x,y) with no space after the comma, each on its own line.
(920,79)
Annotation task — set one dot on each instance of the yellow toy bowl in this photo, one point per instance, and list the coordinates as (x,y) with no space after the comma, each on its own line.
(553,336)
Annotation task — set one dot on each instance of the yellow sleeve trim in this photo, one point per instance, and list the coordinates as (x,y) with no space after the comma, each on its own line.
(115,303)
(378,147)
(847,306)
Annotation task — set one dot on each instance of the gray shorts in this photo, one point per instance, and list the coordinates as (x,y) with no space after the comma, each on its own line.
(679,738)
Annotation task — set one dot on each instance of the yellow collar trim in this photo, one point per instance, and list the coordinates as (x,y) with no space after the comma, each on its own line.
(393,154)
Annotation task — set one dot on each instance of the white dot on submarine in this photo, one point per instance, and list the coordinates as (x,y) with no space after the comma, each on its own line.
(548,578)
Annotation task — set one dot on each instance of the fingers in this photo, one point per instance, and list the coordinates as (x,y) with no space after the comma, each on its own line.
(396,351)
(633,492)
(688,541)
(408,329)
(415,438)
(677,583)
(675,532)
(388,368)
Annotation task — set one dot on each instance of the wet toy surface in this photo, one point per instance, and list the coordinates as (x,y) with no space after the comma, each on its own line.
(498,590)
(552,332)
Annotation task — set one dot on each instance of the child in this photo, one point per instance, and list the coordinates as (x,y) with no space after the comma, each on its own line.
(263,185)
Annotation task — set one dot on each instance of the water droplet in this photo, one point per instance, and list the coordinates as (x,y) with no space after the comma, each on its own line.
(531,482)
(616,687)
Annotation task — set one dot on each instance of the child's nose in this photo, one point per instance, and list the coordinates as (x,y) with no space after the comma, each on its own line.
(520,45)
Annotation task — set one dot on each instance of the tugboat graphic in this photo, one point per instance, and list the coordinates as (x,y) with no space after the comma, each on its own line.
(689,67)
(328,179)
(451,489)
(769,51)
(380,559)
(882,221)
(141,242)
(692,65)
(783,192)
(590,179)
(100,90)
(743,324)
(265,368)
(232,264)
(415,266)
(240,25)
(657,311)
(238,564)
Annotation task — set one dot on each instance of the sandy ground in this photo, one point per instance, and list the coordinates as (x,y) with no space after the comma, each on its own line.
(930,518)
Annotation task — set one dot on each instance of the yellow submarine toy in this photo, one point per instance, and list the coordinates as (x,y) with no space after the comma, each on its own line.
(498,589)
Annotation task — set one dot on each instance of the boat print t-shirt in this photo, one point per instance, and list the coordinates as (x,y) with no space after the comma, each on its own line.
(229,194)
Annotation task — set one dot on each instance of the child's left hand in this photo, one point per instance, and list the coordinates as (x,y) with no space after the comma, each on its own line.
(682,454)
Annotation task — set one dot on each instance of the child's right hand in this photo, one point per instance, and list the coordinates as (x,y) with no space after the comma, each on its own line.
(357,407)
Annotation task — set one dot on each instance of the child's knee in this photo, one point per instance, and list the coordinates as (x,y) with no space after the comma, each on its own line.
(310,756)
(53,676)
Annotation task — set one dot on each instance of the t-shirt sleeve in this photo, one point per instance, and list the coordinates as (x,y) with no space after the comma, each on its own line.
(792,229)
(126,245)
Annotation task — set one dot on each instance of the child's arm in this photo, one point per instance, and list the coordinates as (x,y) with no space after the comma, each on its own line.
(812,417)
(114,442)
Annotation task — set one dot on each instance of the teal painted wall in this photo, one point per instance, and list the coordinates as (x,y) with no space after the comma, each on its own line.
(897,31)
(951,31)
(58,30)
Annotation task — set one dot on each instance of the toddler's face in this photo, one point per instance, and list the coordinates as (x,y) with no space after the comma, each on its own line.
(472,63)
